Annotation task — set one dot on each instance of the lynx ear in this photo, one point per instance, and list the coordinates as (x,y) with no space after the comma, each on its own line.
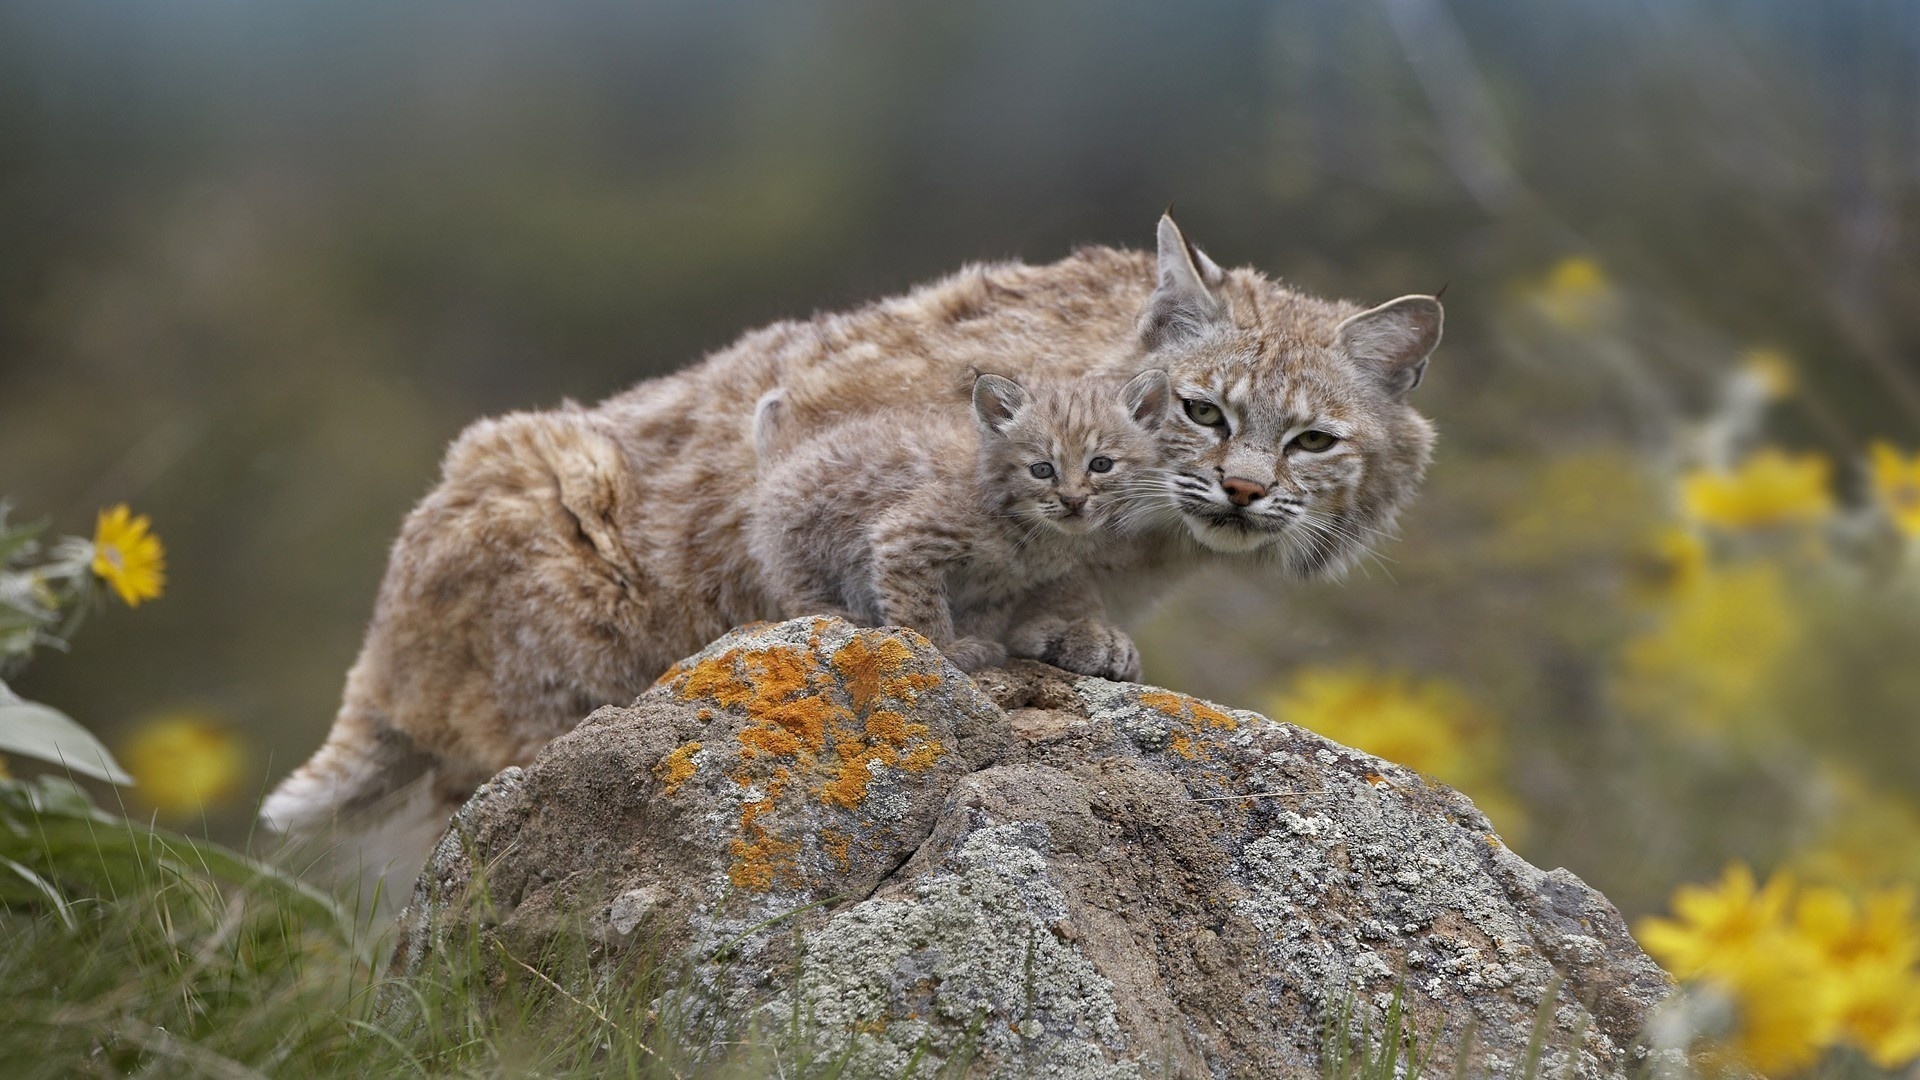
(996,401)
(1183,304)
(1394,340)
(1147,396)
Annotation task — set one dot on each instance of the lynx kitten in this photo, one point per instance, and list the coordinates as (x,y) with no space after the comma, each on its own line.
(948,526)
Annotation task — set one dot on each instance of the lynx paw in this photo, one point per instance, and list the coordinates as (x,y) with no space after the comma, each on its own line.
(970,654)
(1082,646)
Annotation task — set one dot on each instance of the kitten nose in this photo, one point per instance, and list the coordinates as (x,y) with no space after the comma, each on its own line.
(1073,503)
(1241,492)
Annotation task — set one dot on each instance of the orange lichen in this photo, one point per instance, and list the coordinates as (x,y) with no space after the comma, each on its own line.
(669,675)
(1212,717)
(1185,747)
(759,859)
(864,666)
(677,767)
(922,757)
(1181,707)
(836,844)
(826,719)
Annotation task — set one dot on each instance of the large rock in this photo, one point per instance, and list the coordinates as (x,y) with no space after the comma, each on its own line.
(1041,873)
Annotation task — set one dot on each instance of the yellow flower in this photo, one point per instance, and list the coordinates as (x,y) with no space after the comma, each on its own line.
(1427,725)
(1869,951)
(1896,484)
(1575,294)
(1769,489)
(1770,370)
(1785,1014)
(1717,924)
(1881,931)
(183,762)
(1879,1012)
(1710,659)
(128,557)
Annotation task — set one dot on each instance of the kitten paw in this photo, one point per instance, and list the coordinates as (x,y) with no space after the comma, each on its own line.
(970,654)
(1082,646)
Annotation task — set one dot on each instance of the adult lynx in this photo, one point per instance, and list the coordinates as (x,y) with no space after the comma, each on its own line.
(568,557)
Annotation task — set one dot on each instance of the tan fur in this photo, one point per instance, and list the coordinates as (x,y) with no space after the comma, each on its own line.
(568,557)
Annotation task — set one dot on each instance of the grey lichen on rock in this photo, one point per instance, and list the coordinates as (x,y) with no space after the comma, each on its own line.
(1029,872)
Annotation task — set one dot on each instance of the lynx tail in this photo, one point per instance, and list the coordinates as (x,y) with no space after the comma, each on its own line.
(362,763)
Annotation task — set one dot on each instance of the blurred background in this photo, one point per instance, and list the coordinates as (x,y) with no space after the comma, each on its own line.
(1656,610)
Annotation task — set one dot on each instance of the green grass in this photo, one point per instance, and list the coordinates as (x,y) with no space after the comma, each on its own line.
(130,950)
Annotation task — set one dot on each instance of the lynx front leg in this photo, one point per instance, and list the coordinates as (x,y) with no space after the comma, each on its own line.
(1064,624)
(910,563)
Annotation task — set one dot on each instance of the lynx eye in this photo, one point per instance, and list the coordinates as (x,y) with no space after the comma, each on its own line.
(1041,470)
(1204,413)
(1101,464)
(1315,442)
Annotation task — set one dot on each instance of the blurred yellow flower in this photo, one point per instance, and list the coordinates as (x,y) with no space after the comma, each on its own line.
(1427,725)
(1879,1012)
(1708,660)
(1785,1014)
(1575,294)
(1868,952)
(1770,370)
(4,774)
(1880,931)
(1896,484)
(1718,924)
(1771,488)
(128,557)
(182,762)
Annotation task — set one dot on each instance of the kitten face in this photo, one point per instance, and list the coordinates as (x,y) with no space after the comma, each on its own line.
(1072,458)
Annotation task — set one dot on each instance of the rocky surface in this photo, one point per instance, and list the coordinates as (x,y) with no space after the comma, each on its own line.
(1037,873)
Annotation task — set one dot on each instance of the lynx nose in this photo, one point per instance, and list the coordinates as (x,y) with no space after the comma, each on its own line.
(1241,492)
(1073,503)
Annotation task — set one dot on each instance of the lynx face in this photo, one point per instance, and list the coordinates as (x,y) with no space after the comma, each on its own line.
(1076,457)
(1302,449)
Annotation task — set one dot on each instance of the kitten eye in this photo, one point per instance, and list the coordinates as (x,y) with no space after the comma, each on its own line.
(1101,464)
(1204,413)
(1041,470)
(1315,442)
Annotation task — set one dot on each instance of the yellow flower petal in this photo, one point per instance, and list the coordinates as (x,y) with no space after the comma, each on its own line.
(1896,486)
(1770,489)
(127,557)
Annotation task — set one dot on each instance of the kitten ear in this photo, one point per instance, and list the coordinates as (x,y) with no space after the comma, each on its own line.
(1183,305)
(1147,397)
(1394,340)
(996,400)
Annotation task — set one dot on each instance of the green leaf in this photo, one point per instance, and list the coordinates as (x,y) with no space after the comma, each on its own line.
(40,731)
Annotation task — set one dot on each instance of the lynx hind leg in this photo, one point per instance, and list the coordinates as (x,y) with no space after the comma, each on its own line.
(1084,646)
(509,611)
